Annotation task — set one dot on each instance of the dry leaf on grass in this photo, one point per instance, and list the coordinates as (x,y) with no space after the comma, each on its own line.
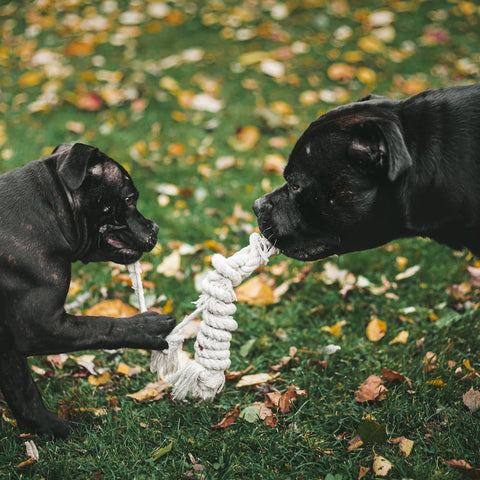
(464,467)
(381,466)
(153,391)
(472,399)
(371,389)
(229,418)
(391,376)
(256,291)
(376,330)
(256,379)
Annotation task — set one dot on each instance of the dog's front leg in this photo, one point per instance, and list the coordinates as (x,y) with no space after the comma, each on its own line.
(22,395)
(40,330)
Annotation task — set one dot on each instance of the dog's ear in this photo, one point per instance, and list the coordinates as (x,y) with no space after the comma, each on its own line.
(379,144)
(72,167)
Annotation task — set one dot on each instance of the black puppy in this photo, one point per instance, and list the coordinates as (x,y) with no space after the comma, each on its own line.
(76,204)
(375,170)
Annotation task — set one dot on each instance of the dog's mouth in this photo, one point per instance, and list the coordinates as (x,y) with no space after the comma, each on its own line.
(123,246)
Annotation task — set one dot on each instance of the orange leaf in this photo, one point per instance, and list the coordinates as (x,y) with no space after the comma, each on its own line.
(255,291)
(376,330)
(229,418)
(112,308)
(30,79)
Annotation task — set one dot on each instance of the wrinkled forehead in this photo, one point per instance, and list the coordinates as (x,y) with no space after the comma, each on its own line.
(111,173)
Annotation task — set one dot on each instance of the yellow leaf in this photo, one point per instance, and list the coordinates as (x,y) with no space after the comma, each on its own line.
(100,380)
(256,379)
(402,337)
(336,329)
(255,291)
(123,369)
(366,75)
(381,466)
(112,308)
(30,79)
(376,330)
(247,137)
(280,107)
(401,263)
(436,383)
(371,44)
(405,447)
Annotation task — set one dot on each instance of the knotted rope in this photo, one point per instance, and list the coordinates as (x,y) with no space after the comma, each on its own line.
(204,377)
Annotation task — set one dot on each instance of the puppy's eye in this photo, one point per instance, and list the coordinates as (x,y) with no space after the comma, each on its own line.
(294,188)
(130,201)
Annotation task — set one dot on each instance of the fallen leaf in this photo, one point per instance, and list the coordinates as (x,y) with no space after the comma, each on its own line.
(274,163)
(376,330)
(474,273)
(409,272)
(371,389)
(236,374)
(256,379)
(430,361)
(354,443)
(381,466)
(32,451)
(229,418)
(286,360)
(170,265)
(371,431)
(472,399)
(401,337)
(256,291)
(336,329)
(391,376)
(100,379)
(341,72)
(160,452)
(362,472)
(58,360)
(153,391)
(465,468)
(405,447)
(112,308)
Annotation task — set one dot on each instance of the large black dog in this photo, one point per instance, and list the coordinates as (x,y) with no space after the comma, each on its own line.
(375,170)
(76,204)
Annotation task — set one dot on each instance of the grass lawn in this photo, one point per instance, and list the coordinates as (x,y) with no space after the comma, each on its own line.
(202,102)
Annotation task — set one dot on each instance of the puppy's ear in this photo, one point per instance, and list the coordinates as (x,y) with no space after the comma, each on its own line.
(73,165)
(380,144)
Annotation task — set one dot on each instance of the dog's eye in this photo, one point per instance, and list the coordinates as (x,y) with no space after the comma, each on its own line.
(294,188)
(129,201)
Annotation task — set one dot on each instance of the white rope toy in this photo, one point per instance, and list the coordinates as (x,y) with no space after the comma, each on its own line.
(205,376)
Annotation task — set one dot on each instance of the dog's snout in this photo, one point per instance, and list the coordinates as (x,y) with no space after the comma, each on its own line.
(260,204)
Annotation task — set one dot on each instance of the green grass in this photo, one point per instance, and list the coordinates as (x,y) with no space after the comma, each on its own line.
(312,440)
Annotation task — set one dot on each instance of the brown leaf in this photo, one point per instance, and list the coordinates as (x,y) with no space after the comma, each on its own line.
(465,468)
(236,374)
(354,443)
(153,391)
(430,361)
(472,399)
(229,418)
(286,360)
(371,389)
(391,376)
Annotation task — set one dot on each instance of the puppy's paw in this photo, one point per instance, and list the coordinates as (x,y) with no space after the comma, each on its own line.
(156,325)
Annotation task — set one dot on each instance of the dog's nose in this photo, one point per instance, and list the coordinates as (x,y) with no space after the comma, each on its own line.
(259,205)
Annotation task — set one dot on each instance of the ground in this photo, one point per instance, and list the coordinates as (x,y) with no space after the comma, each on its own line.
(202,102)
